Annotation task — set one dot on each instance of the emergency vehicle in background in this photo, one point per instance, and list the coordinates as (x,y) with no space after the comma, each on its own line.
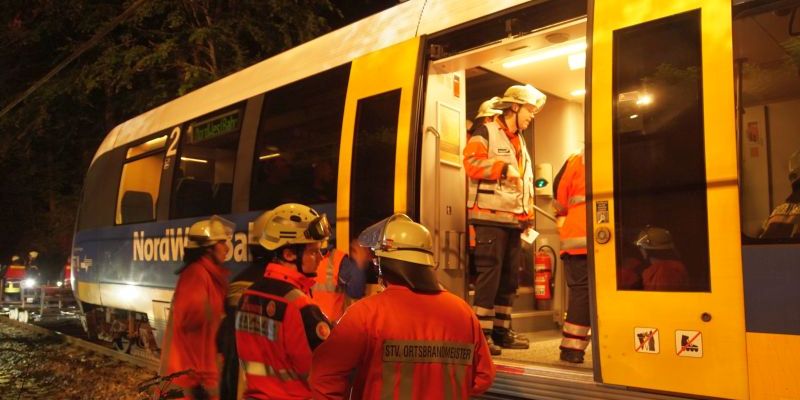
(687,112)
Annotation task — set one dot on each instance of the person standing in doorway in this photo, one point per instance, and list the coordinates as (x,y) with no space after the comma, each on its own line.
(500,203)
(570,188)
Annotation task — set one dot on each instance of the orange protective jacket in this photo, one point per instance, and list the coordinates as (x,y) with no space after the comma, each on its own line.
(327,292)
(15,272)
(570,187)
(404,345)
(278,325)
(195,317)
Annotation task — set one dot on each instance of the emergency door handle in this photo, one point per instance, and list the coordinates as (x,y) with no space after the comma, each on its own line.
(437,196)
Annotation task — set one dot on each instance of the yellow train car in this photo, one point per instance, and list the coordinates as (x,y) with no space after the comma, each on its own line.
(687,111)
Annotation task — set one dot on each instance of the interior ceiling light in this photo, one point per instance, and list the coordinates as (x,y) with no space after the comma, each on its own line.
(268,156)
(577,92)
(547,53)
(197,160)
(577,61)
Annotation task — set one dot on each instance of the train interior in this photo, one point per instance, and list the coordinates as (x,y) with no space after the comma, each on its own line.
(552,60)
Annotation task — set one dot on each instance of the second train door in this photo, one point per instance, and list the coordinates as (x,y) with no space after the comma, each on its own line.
(664,215)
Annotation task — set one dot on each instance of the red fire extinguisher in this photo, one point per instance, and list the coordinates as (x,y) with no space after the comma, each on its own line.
(542,275)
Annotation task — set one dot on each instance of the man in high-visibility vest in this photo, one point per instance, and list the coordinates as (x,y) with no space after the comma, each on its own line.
(570,187)
(500,203)
(278,325)
(784,220)
(339,276)
(414,340)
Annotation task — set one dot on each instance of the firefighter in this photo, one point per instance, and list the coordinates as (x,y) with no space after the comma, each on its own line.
(570,187)
(500,203)
(784,220)
(414,340)
(338,277)
(665,270)
(278,325)
(486,113)
(226,339)
(197,310)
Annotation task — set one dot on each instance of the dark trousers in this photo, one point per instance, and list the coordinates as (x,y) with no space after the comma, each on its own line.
(577,274)
(497,258)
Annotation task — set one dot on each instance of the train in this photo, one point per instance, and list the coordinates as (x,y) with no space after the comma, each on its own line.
(686,112)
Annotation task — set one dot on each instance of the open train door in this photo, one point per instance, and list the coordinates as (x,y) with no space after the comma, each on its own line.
(664,220)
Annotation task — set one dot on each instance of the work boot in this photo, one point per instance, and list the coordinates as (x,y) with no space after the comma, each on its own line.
(494,349)
(508,339)
(572,356)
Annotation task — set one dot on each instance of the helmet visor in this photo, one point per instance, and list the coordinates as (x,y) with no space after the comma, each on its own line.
(318,229)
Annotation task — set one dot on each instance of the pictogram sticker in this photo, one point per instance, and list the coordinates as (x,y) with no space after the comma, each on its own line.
(689,343)
(645,340)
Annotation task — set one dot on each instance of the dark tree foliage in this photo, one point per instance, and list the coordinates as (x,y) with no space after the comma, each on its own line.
(167,48)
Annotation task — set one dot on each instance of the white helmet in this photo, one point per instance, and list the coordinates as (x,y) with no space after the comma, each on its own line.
(487,108)
(254,236)
(294,223)
(794,167)
(15,259)
(405,249)
(207,232)
(519,94)
(33,254)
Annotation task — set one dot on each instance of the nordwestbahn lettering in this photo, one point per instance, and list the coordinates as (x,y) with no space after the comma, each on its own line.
(427,352)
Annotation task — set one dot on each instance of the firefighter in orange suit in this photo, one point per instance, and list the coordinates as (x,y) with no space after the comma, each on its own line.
(197,310)
(500,203)
(278,325)
(570,186)
(338,276)
(414,340)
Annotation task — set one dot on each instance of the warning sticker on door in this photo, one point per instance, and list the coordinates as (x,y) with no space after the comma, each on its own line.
(645,340)
(689,343)
(601,211)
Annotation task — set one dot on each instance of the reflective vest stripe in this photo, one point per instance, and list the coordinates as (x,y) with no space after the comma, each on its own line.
(261,369)
(573,243)
(575,344)
(575,200)
(387,380)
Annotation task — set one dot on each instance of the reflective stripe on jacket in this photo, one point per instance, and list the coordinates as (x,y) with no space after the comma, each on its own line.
(194,319)
(277,327)
(570,186)
(327,292)
(490,198)
(404,345)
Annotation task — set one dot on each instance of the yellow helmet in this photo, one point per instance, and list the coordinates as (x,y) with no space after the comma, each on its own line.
(294,223)
(403,248)
(523,95)
(254,235)
(487,108)
(207,232)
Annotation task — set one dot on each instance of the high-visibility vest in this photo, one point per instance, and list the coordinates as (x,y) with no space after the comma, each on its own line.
(571,202)
(399,344)
(485,196)
(327,292)
(783,222)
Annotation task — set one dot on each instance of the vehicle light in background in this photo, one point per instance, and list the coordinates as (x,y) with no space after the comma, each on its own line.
(29,283)
(59,284)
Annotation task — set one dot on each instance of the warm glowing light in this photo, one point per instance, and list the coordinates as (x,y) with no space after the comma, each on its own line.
(129,291)
(577,61)
(157,142)
(29,283)
(644,100)
(197,160)
(634,116)
(548,53)
(577,92)
(268,156)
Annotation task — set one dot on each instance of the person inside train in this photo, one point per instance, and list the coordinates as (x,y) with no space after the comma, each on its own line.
(486,112)
(197,310)
(664,269)
(784,220)
(232,378)
(500,207)
(278,324)
(413,332)
(340,277)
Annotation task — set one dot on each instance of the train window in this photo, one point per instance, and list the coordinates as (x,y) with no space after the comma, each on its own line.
(297,150)
(140,182)
(766,51)
(98,200)
(659,157)
(203,182)
(374,147)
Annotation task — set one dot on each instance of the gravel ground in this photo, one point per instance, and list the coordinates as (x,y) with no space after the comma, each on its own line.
(38,366)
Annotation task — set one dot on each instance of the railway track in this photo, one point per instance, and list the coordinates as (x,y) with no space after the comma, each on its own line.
(150,364)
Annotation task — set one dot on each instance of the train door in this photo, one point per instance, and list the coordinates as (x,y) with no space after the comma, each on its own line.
(443,191)
(664,214)
(374,161)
